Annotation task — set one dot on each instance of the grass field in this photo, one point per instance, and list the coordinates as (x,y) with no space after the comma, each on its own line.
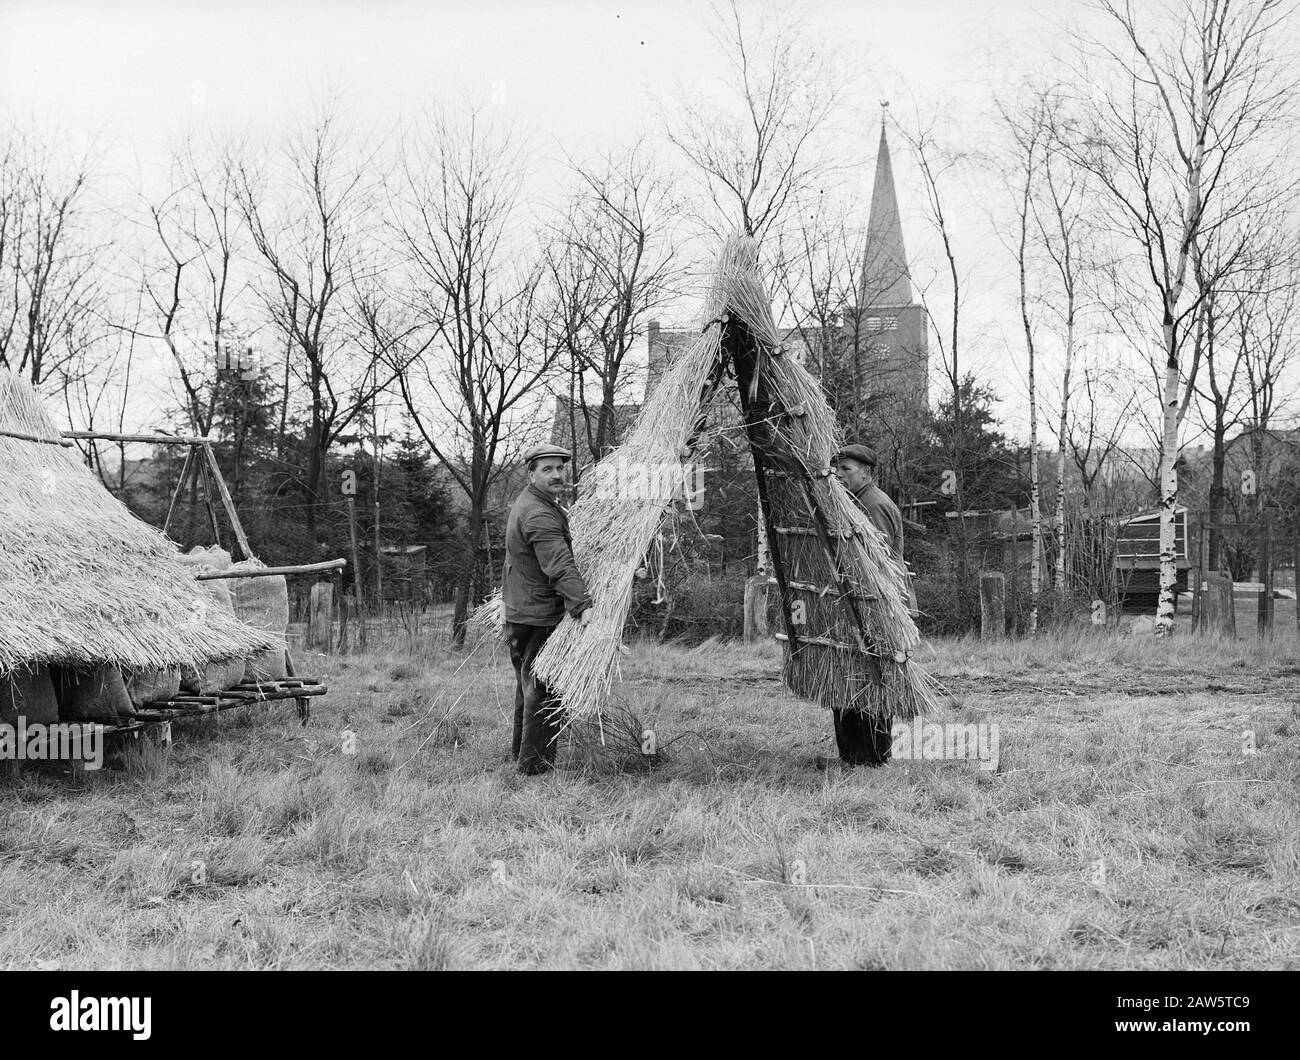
(1124,827)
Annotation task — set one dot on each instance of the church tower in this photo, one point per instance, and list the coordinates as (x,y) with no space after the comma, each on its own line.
(888,331)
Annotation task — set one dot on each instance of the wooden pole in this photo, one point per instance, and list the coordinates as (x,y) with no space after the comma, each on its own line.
(745,378)
(180,488)
(379,559)
(266,572)
(320,617)
(343,621)
(155,439)
(22,436)
(226,500)
(356,572)
(1198,572)
(1295,559)
(207,502)
(1015,569)
(1264,619)
(993,605)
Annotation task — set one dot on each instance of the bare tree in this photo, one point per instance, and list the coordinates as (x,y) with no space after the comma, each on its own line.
(758,156)
(50,288)
(310,238)
(192,285)
(1222,361)
(1091,435)
(1266,329)
(937,166)
(467,335)
(1059,214)
(612,264)
(1178,123)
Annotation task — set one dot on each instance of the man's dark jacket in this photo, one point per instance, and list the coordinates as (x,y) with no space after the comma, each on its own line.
(884,514)
(540,578)
(886,517)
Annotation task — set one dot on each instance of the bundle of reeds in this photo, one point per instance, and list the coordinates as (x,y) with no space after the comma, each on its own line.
(848,629)
(615,520)
(852,647)
(488,620)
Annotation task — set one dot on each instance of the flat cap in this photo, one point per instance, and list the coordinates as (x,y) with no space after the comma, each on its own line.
(860,453)
(537,452)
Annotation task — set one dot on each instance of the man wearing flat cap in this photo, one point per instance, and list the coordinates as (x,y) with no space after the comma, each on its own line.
(863,739)
(539,583)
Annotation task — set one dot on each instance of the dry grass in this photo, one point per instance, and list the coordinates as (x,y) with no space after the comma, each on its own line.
(426,850)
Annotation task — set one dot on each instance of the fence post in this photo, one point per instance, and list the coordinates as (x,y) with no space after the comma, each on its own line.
(756,608)
(1295,550)
(1198,571)
(1218,612)
(320,617)
(1264,619)
(993,605)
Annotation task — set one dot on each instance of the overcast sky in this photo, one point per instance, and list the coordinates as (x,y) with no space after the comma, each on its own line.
(136,76)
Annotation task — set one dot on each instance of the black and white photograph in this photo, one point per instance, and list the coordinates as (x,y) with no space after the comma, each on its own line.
(691,485)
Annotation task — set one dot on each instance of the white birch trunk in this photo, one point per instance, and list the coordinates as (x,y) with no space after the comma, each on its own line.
(1168,490)
(1060,452)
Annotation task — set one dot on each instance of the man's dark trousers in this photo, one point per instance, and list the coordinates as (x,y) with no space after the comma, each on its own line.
(537,724)
(863,739)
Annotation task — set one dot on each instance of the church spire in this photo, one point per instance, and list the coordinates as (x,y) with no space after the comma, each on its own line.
(884,263)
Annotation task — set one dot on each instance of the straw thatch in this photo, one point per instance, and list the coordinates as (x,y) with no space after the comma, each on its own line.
(84,582)
(859,657)
(488,620)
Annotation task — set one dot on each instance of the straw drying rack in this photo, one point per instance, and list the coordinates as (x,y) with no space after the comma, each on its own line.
(201,466)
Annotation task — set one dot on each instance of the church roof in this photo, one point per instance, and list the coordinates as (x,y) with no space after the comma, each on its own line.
(884,264)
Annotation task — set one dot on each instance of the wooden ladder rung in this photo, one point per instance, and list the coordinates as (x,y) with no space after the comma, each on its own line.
(825,642)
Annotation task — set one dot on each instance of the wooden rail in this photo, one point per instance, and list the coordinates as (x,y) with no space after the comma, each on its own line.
(266,572)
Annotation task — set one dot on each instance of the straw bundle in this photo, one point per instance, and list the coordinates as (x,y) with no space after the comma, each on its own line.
(219,600)
(488,621)
(618,515)
(858,591)
(82,580)
(853,650)
(264,604)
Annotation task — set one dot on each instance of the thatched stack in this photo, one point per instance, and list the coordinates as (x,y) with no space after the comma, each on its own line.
(853,651)
(834,567)
(83,582)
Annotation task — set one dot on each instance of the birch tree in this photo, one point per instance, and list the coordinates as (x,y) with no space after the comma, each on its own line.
(1029,130)
(1181,123)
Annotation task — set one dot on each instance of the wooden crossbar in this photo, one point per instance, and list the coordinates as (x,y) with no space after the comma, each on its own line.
(36,438)
(825,642)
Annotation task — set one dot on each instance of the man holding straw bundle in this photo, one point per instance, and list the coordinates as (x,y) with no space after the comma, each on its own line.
(539,582)
(865,739)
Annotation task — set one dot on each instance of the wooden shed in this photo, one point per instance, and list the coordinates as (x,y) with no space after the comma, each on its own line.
(1137,555)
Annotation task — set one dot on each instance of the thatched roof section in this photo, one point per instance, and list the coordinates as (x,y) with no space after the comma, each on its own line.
(82,580)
